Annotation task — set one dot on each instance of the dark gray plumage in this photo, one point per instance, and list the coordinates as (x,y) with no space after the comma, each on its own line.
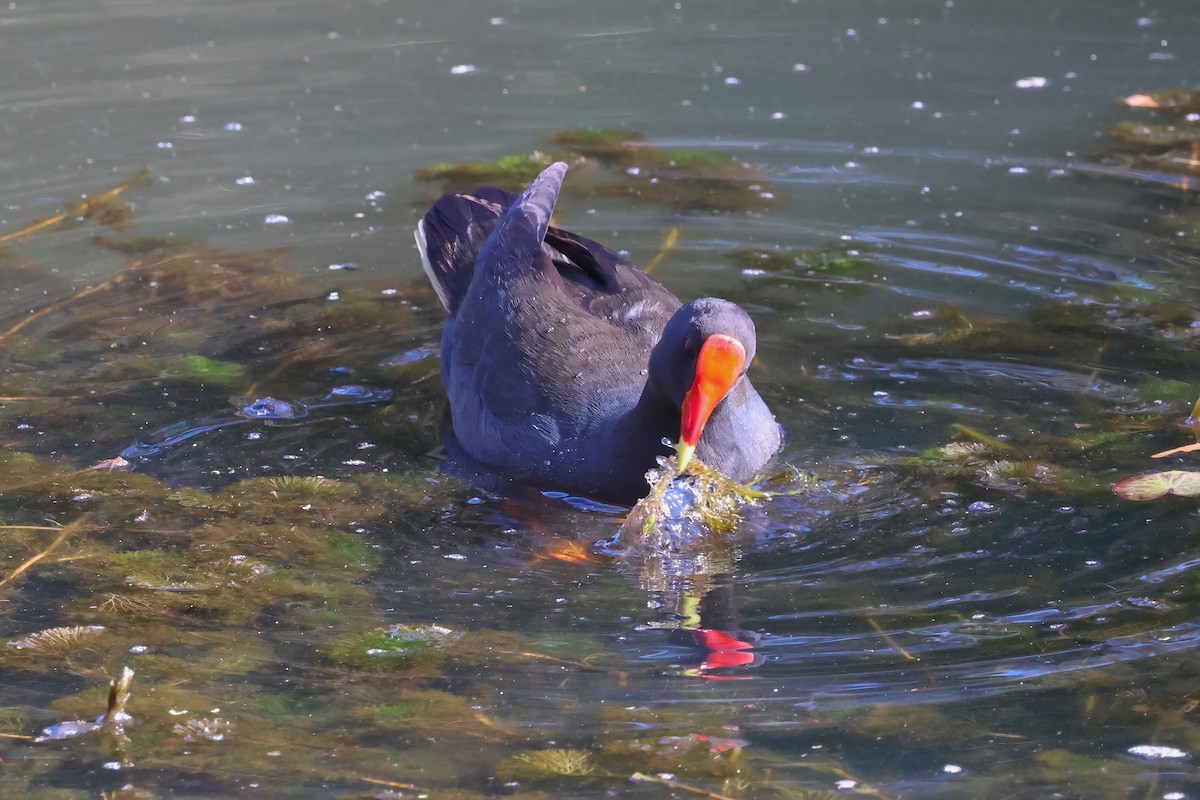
(564,365)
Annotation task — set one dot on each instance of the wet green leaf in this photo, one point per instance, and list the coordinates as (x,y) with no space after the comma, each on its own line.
(1153,485)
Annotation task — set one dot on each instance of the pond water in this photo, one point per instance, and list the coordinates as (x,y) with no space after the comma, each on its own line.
(977,311)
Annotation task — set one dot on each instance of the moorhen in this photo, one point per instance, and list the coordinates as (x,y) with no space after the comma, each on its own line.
(568,367)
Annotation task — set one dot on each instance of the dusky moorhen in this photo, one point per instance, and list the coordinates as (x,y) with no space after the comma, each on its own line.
(567,367)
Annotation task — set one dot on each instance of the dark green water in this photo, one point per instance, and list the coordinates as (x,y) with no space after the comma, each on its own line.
(1001,322)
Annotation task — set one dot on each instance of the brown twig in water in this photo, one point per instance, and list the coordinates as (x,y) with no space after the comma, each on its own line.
(887,637)
(86,205)
(394,784)
(641,777)
(23,568)
(50,309)
(31,527)
(118,696)
(667,246)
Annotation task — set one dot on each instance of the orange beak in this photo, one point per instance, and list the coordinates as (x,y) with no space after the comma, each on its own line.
(721,362)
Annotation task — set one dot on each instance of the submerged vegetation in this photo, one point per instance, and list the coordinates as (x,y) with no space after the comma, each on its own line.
(302,593)
(1163,143)
(621,163)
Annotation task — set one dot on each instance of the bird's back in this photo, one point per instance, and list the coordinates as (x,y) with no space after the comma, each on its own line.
(548,336)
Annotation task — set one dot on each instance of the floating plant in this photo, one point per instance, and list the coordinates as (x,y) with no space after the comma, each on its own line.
(1165,147)
(535,765)
(620,163)
(396,647)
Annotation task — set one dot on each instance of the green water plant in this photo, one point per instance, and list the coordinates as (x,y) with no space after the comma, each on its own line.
(396,647)
(507,172)
(545,764)
(623,163)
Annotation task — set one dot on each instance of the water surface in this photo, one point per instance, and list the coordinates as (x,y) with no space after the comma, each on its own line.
(988,621)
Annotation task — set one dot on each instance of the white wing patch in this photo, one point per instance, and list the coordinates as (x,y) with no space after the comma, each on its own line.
(419,235)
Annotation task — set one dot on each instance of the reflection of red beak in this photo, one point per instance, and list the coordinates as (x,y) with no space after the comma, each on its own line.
(721,362)
(725,652)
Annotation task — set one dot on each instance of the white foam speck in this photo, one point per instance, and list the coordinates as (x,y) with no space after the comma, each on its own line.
(1033,82)
(462,69)
(1156,751)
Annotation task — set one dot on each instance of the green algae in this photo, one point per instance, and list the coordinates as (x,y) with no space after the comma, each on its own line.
(395,647)
(1178,101)
(610,146)
(1152,147)
(545,764)
(507,172)
(837,261)
(626,164)
(238,596)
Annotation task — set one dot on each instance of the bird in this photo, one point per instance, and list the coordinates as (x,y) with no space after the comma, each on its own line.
(569,369)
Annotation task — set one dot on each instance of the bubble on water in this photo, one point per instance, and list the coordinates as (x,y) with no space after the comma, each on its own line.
(1032,82)
(462,69)
(245,180)
(1156,751)
(276,219)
